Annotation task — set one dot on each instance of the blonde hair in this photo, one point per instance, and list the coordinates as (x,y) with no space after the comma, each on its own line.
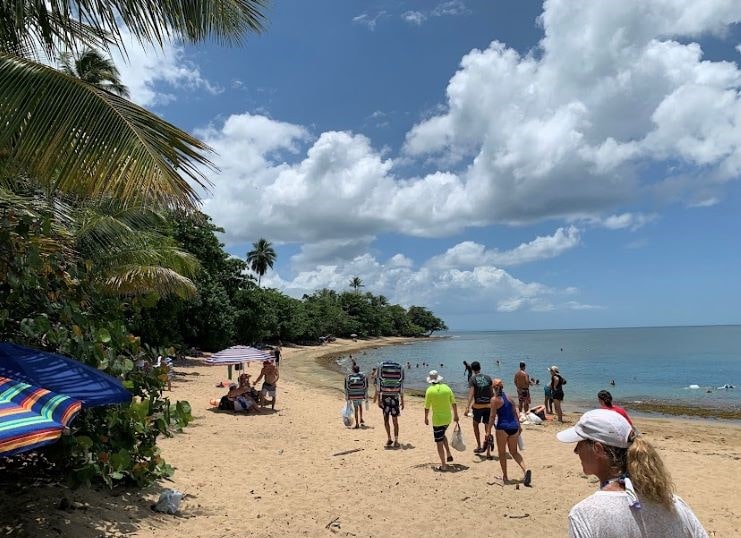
(642,463)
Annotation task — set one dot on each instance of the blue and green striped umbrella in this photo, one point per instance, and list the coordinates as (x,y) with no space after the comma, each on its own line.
(31,417)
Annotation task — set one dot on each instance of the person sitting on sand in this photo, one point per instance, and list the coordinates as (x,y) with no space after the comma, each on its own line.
(238,399)
(271,375)
(605,401)
(508,431)
(635,498)
(538,411)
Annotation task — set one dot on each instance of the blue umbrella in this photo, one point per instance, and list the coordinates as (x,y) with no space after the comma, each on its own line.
(61,375)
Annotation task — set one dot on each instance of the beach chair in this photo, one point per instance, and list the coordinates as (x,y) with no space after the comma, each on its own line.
(390,378)
(356,387)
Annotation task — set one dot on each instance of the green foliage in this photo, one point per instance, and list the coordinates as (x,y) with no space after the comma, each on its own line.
(49,300)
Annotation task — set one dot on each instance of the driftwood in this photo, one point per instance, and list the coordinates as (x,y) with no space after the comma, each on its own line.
(346,452)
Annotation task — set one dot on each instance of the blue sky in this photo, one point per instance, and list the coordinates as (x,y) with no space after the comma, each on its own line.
(509,164)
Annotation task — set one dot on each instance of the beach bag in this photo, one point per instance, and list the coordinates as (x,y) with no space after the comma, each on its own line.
(457,441)
(347,415)
(390,378)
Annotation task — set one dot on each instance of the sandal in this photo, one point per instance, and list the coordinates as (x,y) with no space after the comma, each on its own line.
(396,444)
(450,458)
(528,478)
(389,442)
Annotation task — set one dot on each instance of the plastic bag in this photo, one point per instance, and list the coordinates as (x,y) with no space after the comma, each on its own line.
(520,442)
(457,441)
(169,501)
(535,419)
(347,413)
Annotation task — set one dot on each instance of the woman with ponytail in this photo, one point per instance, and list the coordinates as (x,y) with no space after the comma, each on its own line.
(508,431)
(636,497)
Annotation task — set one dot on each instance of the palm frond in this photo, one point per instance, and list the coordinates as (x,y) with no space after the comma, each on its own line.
(142,279)
(94,143)
(55,23)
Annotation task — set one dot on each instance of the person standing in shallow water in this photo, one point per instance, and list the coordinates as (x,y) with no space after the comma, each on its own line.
(635,498)
(467,371)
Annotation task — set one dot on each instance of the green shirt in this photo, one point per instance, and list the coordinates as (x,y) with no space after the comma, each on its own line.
(439,397)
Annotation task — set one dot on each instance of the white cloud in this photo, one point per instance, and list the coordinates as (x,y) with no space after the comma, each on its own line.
(451,7)
(367,20)
(153,74)
(469,254)
(632,221)
(413,17)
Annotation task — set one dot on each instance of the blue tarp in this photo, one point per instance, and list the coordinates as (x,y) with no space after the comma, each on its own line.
(61,375)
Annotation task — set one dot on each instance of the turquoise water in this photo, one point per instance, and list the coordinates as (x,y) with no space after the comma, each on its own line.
(653,364)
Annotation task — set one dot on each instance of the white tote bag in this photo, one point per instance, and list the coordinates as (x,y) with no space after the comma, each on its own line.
(457,441)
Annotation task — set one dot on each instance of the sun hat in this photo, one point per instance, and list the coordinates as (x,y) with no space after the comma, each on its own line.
(434,377)
(554,368)
(601,425)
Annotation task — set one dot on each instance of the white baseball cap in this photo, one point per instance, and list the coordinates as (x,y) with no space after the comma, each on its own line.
(601,425)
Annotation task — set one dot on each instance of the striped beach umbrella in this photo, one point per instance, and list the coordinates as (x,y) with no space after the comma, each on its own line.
(31,417)
(238,355)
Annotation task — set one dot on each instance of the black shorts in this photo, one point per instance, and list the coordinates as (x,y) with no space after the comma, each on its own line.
(509,431)
(438,432)
(481,415)
(390,405)
(557,395)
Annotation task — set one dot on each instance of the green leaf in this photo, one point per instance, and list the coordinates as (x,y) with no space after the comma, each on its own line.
(104,336)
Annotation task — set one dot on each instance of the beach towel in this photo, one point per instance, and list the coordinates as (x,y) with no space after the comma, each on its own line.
(356,386)
(390,377)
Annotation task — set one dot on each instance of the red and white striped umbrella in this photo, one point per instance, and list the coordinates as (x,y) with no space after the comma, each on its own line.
(238,355)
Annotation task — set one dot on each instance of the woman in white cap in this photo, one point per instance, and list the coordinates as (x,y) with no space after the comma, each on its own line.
(636,498)
(557,383)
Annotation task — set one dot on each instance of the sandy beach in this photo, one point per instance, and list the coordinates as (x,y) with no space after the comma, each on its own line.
(298,471)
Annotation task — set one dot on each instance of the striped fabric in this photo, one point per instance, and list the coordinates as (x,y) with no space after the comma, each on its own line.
(31,417)
(390,377)
(356,387)
(238,355)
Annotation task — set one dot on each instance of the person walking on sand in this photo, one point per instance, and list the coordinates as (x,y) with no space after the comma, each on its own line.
(277,353)
(479,400)
(508,431)
(390,394)
(522,382)
(356,391)
(269,386)
(557,383)
(440,400)
(635,498)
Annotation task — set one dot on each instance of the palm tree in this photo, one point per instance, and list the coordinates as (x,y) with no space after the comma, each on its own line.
(92,67)
(356,283)
(90,141)
(261,257)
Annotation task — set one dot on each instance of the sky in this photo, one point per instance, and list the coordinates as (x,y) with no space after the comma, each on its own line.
(508,164)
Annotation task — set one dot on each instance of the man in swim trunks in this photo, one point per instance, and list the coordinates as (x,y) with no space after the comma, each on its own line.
(522,382)
(391,403)
(479,400)
(271,375)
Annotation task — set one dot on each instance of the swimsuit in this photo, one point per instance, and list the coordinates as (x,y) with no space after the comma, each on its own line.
(506,418)
(269,389)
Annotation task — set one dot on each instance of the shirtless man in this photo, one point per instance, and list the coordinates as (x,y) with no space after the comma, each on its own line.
(522,382)
(271,375)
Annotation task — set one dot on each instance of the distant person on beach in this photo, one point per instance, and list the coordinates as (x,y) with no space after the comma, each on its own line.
(440,400)
(277,352)
(605,401)
(479,400)
(467,371)
(636,498)
(373,378)
(522,382)
(557,383)
(507,429)
(269,386)
(356,391)
(548,401)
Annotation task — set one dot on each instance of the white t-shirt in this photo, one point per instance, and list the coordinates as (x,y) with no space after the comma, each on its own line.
(606,514)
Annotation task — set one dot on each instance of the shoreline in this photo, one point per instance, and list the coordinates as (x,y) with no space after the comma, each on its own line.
(656,409)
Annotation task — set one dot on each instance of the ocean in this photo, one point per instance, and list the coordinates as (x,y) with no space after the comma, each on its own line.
(660,365)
